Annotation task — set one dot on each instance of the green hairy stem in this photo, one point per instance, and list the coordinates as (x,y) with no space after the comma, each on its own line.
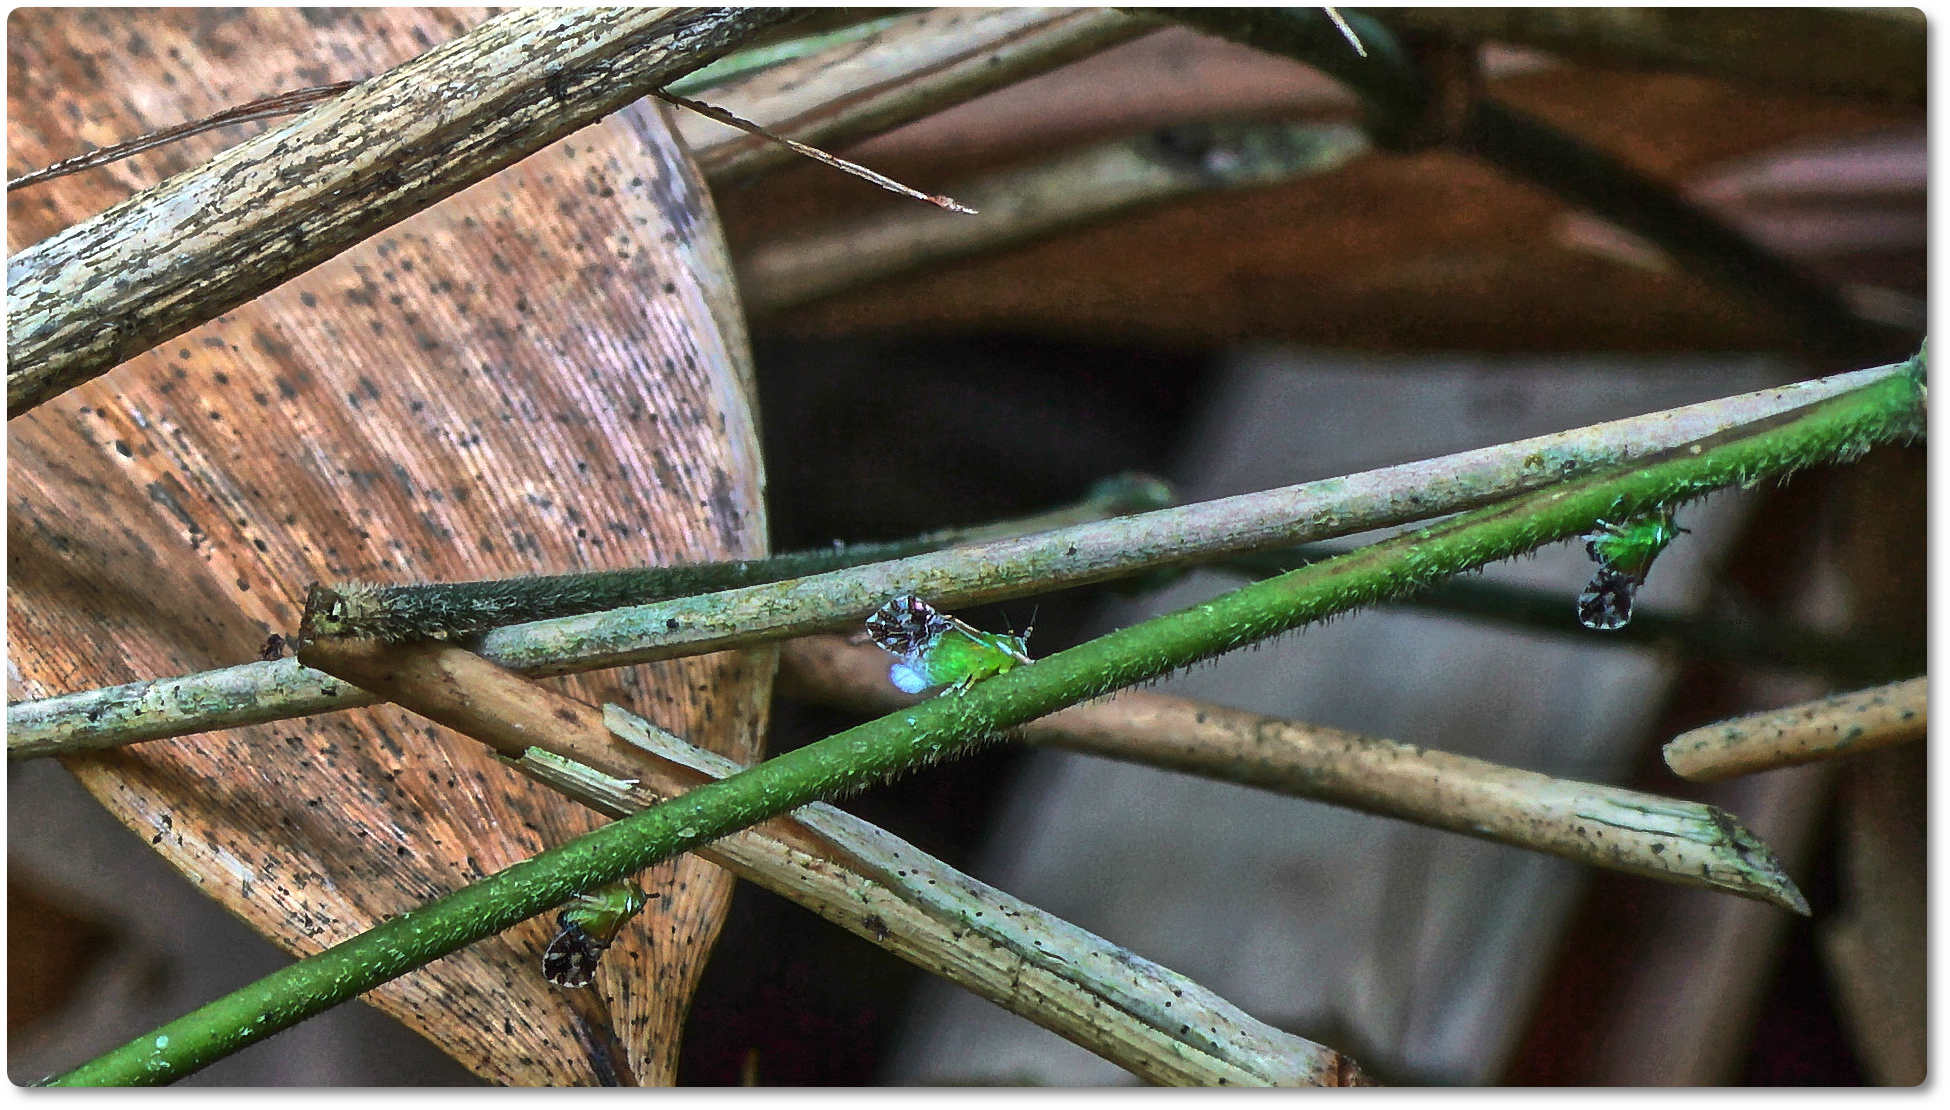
(943,727)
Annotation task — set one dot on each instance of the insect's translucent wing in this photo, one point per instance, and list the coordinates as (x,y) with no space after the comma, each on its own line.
(966,629)
(1016,646)
(907,679)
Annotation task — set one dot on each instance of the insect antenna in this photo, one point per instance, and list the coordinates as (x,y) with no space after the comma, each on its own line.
(1030,628)
(1027,632)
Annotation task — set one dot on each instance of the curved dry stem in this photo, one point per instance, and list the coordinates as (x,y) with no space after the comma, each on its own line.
(264,107)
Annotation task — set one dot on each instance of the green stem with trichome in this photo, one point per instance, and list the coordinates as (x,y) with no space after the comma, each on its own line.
(943,727)
(1731,633)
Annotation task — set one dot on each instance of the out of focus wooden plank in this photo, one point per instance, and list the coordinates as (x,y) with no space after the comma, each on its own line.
(1876,54)
(1426,251)
(1877,946)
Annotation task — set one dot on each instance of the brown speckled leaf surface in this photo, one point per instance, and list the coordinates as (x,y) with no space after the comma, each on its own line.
(545,372)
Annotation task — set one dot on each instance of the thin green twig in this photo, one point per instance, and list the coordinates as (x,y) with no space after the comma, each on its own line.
(944,727)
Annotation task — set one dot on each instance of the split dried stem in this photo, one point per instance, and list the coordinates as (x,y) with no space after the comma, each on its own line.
(709,111)
(1142,1017)
(264,107)
(1602,826)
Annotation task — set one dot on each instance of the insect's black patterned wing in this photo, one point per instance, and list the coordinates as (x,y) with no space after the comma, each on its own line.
(570,959)
(1606,603)
(905,625)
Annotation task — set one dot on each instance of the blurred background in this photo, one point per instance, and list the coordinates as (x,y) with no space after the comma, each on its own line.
(1415,297)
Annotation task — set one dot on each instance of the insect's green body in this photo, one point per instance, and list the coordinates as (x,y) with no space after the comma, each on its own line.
(936,649)
(1624,553)
(602,912)
(589,925)
(964,655)
(1631,547)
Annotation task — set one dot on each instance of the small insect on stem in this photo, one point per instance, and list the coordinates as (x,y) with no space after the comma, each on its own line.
(935,649)
(589,925)
(1624,553)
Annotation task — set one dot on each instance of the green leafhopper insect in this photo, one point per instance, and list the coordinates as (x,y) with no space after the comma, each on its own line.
(1624,553)
(935,649)
(589,925)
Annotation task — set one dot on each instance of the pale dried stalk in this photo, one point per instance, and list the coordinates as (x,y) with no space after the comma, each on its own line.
(1020,205)
(1839,725)
(1128,545)
(712,112)
(183,252)
(928,61)
(1146,1018)
(724,71)
(916,64)
(179,254)
(731,70)
(1603,826)
(257,693)
(1347,32)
